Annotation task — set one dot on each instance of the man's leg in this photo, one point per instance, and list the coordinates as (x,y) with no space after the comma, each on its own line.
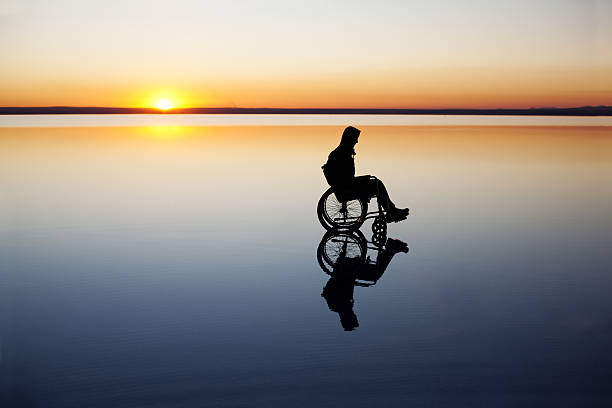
(370,186)
(378,188)
(394,214)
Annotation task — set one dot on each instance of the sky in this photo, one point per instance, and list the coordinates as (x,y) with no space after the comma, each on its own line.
(298,54)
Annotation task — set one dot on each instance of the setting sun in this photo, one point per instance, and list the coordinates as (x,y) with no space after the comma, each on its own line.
(164,104)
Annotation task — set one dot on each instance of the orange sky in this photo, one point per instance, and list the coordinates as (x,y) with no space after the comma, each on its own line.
(199,54)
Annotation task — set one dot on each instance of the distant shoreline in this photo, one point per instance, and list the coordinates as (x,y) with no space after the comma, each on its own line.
(76,110)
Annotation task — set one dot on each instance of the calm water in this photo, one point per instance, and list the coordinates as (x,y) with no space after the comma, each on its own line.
(176,266)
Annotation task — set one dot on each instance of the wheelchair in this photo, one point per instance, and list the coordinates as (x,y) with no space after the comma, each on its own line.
(347,211)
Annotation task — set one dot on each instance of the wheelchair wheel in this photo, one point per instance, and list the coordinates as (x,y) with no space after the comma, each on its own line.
(335,214)
(338,245)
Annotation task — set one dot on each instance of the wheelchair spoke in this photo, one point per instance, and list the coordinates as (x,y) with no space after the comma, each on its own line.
(342,214)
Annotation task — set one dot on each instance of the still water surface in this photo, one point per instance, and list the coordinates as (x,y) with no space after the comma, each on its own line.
(176,266)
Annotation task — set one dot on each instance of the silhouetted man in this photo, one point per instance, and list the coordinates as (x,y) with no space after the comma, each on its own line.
(340,174)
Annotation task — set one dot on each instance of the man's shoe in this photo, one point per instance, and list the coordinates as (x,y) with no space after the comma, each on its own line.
(397,214)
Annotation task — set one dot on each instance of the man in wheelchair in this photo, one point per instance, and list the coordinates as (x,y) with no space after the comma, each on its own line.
(340,174)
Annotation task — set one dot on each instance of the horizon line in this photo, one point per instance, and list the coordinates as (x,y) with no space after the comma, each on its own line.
(600,110)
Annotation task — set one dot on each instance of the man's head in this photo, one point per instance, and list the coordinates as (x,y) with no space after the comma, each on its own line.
(350,136)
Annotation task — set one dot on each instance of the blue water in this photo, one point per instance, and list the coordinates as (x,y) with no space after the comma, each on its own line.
(178,268)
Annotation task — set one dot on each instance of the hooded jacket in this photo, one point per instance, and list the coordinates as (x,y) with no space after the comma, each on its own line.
(340,167)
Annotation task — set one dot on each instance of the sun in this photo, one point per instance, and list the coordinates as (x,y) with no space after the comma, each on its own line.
(164,104)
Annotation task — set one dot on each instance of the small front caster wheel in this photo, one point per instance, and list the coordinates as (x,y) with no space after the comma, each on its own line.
(379,226)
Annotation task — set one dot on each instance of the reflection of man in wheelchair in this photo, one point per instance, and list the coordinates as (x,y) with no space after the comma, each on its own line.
(343,255)
(344,205)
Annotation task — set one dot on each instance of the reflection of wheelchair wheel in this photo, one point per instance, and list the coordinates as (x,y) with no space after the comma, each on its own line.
(344,215)
(337,245)
(379,240)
